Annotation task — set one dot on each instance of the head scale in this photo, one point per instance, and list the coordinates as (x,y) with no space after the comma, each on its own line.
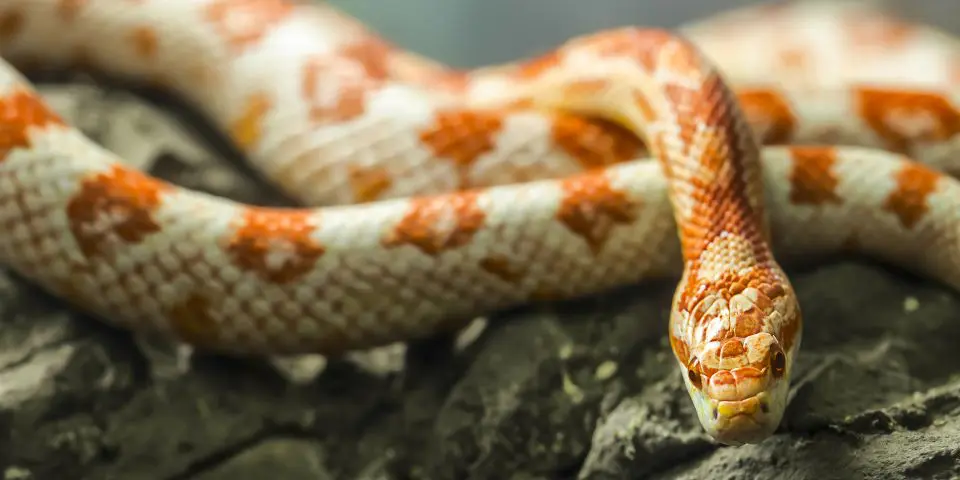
(736,352)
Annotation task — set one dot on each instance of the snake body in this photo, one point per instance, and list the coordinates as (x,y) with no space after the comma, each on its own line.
(438,195)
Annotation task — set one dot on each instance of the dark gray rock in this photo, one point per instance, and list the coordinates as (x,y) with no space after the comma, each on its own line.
(582,389)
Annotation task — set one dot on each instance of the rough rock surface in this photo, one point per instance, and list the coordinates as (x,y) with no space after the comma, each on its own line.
(581,389)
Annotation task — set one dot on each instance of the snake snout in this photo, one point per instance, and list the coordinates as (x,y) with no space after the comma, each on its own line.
(736,384)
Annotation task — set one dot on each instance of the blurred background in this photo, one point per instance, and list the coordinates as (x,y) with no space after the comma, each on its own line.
(465,33)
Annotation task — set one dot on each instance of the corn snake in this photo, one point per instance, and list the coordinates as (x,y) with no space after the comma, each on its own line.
(555,208)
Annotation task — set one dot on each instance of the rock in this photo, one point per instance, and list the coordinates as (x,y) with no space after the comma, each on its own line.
(581,389)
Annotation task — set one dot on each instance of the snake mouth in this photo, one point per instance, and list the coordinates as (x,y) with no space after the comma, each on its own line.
(739,422)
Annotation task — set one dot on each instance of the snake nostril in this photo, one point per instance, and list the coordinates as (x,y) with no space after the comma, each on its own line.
(764,406)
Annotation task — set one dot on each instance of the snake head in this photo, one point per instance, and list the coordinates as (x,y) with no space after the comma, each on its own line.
(736,355)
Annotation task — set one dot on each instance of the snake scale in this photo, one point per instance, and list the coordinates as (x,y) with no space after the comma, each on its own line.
(436,195)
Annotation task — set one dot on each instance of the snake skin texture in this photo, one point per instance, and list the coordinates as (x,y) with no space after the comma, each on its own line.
(433,196)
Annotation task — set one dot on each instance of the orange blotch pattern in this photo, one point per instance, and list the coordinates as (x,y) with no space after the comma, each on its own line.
(594,143)
(123,200)
(275,244)
(19,112)
(373,54)
(436,224)
(885,111)
(909,201)
(591,208)
(769,115)
(349,100)
(243,23)
(813,178)
(694,103)
(462,136)
(248,128)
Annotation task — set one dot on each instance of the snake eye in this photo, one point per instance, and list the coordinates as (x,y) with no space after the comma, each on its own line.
(778,362)
(694,377)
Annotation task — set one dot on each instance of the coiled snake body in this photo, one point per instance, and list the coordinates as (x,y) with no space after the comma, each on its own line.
(449,194)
